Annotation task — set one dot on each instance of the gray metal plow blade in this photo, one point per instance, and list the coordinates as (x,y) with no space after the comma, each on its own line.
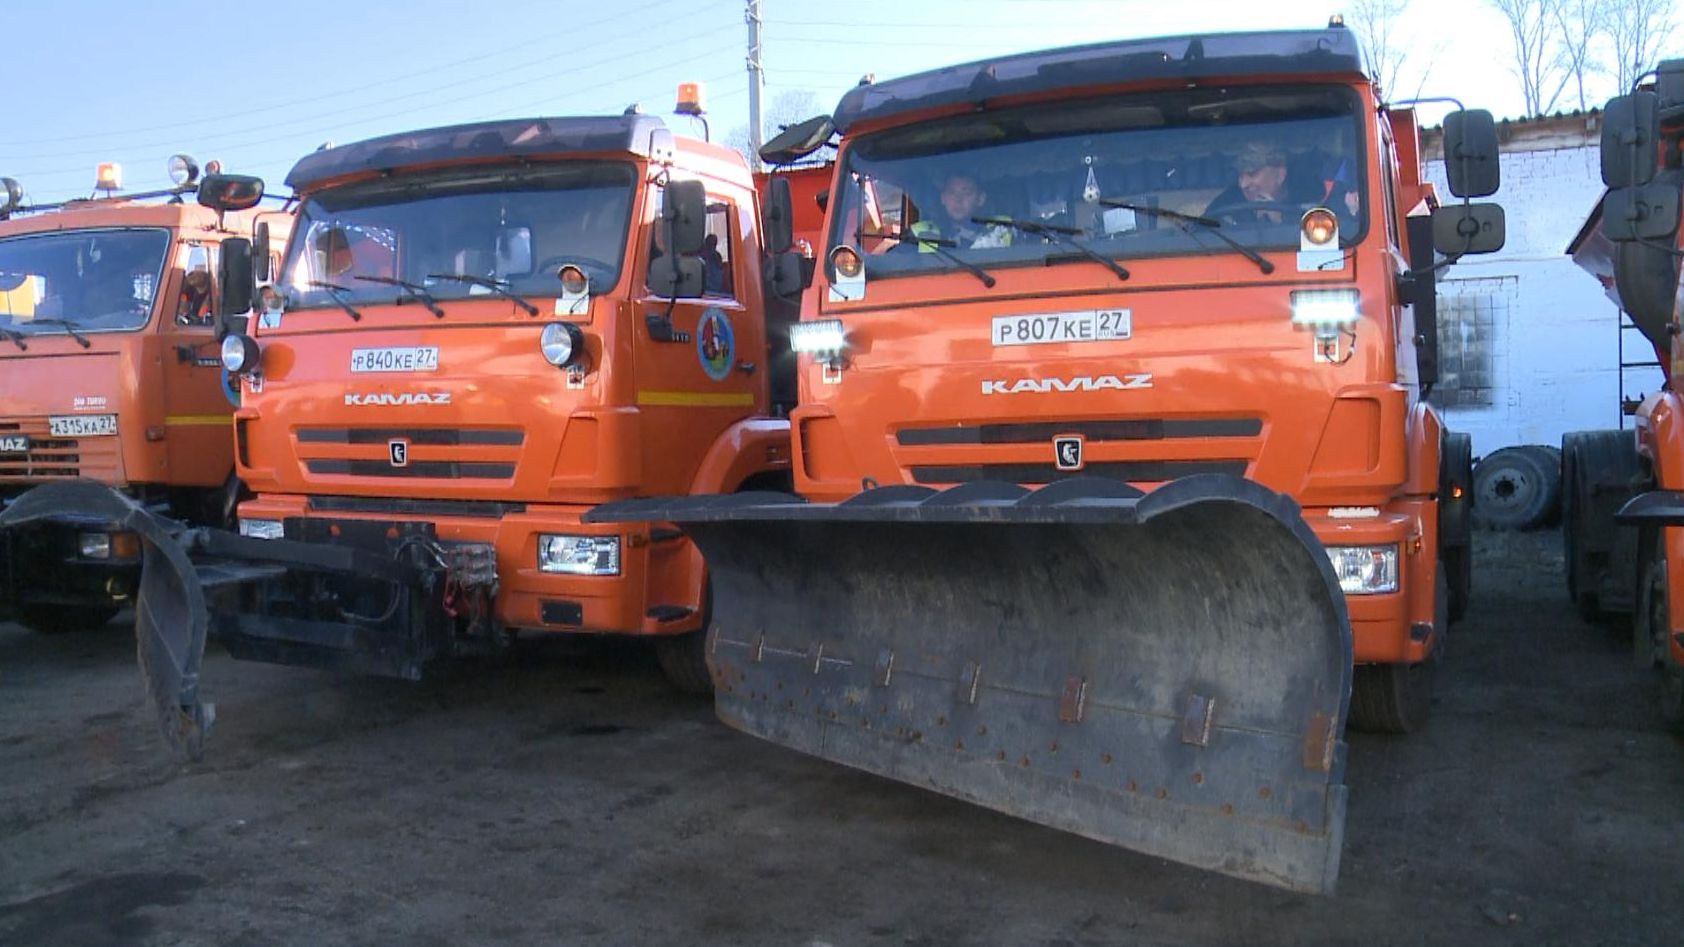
(1166,673)
(170,614)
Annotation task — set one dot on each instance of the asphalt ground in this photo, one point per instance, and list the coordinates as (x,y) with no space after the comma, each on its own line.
(569,796)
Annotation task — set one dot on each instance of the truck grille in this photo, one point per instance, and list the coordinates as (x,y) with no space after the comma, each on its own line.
(438,453)
(1140,450)
(57,458)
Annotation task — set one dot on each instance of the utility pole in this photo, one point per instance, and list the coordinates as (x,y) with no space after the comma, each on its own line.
(756,80)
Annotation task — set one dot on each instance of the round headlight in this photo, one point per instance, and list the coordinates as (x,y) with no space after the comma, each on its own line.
(183,169)
(573,280)
(239,354)
(562,344)
(847,262)
(1320,226)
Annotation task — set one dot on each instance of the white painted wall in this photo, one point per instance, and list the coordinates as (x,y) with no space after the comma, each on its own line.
(1555,344)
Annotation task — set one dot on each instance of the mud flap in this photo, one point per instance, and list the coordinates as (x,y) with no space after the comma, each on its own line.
(170,615)
(1168,673)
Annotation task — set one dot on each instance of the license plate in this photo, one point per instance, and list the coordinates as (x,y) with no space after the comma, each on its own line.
(14,444)
(415,358)
(1092,325)
(82,425)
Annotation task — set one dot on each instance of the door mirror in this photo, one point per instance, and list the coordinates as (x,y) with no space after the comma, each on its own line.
(1630,125)
(234,276)
(677,277)
(1470,153)
(788,276)
(779,223)
(1460,229)
(798,141)
(684,214)
(1649,212)
(260,253)
(221,192)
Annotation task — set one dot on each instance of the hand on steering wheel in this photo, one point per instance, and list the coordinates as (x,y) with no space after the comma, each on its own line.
(1232,212)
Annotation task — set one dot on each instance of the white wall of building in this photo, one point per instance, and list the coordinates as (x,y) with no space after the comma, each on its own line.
(1544,327)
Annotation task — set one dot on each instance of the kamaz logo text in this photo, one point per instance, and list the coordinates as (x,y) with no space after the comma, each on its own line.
(406,397)
(1078,383)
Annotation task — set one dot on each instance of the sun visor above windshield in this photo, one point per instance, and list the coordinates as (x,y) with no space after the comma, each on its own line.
(1280,53)
(642,135)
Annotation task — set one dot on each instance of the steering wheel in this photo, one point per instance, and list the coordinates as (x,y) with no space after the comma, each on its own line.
(1234,212)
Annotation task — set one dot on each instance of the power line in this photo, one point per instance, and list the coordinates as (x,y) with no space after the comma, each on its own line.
(502,50)
(313,121)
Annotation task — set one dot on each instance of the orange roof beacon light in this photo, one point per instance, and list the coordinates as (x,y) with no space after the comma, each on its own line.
(108,177)
(690,99)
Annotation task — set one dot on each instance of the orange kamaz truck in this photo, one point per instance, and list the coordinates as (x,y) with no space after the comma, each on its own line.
(110,310)
(1113,448)
(474,335)
(1623,491)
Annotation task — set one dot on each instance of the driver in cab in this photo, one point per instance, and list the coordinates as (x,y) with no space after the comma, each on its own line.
(962,199)
(1266,192)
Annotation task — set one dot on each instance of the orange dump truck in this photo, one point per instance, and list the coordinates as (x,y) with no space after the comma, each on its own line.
(477,333)
(1623,491)
(110,310)
(1112,448)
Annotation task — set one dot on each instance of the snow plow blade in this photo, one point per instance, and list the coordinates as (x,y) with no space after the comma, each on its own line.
(170,615)
(1168,673)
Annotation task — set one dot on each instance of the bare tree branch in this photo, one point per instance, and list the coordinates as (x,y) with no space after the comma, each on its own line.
(1638,31)
(1580,23)
(1535,32)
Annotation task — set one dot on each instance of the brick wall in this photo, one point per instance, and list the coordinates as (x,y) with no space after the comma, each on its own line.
(1530,343)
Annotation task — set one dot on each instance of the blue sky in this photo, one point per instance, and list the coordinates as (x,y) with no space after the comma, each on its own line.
(257,86)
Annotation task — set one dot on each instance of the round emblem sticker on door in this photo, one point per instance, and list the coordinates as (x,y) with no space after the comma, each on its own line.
(716,345)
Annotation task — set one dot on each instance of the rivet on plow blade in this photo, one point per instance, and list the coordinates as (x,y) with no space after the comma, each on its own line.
(970,681)
(1071,702)
(1320,743)
(1196,720)
(885,668)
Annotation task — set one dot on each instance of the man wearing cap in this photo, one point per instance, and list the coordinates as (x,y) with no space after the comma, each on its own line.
(1262,180)
(962,199)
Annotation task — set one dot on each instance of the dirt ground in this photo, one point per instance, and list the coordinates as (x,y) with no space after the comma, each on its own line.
(571,798)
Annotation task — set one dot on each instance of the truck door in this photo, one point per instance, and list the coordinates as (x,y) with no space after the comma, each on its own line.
(197,438)
(699,368)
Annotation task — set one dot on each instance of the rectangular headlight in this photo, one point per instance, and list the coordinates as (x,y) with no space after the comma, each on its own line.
(824,337)
(1365,570)
(579,555)
(1325,307)
(94,545)
(261,529)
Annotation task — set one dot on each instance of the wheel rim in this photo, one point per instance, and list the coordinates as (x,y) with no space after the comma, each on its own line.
(1508,490)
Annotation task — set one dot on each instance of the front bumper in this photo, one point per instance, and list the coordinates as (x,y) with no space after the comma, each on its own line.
(1392,627)
(657,591)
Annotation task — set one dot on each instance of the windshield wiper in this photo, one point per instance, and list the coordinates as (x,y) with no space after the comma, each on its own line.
(16,337)
(417,292)
(1209,223)
(69,329)
(338,293)
(1064,236)
(500,287)
(938,245)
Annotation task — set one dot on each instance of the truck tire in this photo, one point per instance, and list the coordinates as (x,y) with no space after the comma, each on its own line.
(683,659)
(1455,501)
(1549,459)
(1398,698)
(58,619)
(1599,470)
(1649,625)
(1512,490)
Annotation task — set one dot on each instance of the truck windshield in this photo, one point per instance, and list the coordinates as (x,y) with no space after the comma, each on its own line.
(460,233)
(1245,161)
(80,281)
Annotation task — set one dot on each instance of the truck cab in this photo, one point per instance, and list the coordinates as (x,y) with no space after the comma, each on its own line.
(1151,260)
(109,317)
(479,332)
